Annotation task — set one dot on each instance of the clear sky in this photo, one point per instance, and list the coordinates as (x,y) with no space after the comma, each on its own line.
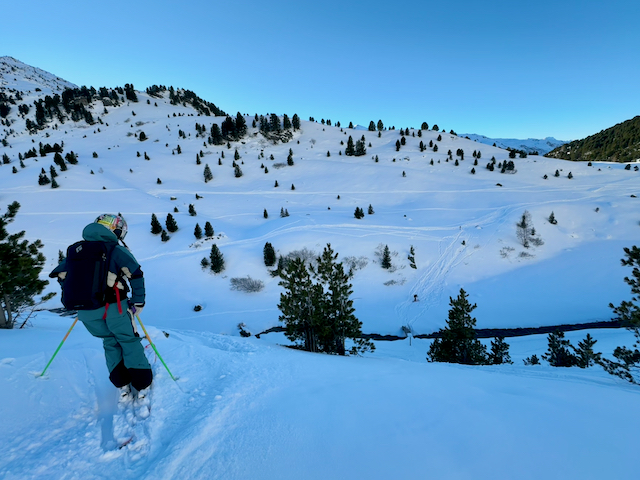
(501,68)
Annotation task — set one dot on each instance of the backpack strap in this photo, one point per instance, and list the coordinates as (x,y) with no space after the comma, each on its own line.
(106,306)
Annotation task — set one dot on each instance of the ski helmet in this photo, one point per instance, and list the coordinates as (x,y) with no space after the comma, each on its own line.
(115,223)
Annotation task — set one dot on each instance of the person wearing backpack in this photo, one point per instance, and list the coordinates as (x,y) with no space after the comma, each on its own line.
(94,278)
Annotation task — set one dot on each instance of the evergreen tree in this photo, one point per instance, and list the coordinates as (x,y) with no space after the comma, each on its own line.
(20,265)
(360,149)
(217,259)
(207,173)
(499,352)
(197,232)
(156,227)
(171,224)
(316,306)
(265,214)
(552,219)
(216,135)
(241,126)
(299,305)
(386,258)
(380,125)
(350,150)
(54,183)
(628,313)
(208,230)
(164,236)
(269,255)
(286,122)
(295,121)
(339,320)
(372,126)
(458,342)
(558,353)
(370,210)
(585,353)
(237,171)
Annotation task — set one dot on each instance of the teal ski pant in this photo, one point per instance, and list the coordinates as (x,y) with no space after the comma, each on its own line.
(121,345)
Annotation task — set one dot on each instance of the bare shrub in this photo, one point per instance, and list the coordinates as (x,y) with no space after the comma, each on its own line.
(355,263)
(246,284)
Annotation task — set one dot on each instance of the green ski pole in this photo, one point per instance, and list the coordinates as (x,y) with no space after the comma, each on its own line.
(59,347)
(154,347)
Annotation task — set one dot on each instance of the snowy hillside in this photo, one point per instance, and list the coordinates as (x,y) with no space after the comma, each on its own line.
(248,408)
(530,145)
(15,75)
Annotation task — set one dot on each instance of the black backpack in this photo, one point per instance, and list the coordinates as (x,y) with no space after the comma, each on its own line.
(85,284)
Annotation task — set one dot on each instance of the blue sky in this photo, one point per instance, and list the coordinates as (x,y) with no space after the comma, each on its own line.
(562,68)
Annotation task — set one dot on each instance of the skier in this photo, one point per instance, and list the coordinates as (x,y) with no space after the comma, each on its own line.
(114,321)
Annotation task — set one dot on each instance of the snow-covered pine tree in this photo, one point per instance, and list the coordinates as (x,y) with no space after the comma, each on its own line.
(197,231)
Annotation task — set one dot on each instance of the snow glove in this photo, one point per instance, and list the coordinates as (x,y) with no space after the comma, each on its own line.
(135,309)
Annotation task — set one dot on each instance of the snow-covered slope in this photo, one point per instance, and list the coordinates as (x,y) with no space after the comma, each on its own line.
(530,145)
(15,75)
(248,408)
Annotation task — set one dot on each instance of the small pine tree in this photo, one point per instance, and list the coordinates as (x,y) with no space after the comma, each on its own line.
(370,210)
(265,214)
(499,352)
(269,255)
(532,360)
(558,353)
(171,223)
(217,259)
(552,219)
(54,184)
(207,173)
(197,232)
(386,258)
(164,236)
(156,227)
(585,353)
(208,230)
(192,210)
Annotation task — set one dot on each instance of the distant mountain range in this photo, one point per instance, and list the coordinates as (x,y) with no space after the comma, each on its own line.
(530,145)
(620,143)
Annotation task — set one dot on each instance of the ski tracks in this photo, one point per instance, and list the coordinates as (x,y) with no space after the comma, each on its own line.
(430,286)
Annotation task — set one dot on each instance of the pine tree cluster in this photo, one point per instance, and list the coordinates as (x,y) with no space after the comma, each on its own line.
(316,306)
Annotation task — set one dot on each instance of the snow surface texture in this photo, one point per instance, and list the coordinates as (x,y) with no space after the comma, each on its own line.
(249,408)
